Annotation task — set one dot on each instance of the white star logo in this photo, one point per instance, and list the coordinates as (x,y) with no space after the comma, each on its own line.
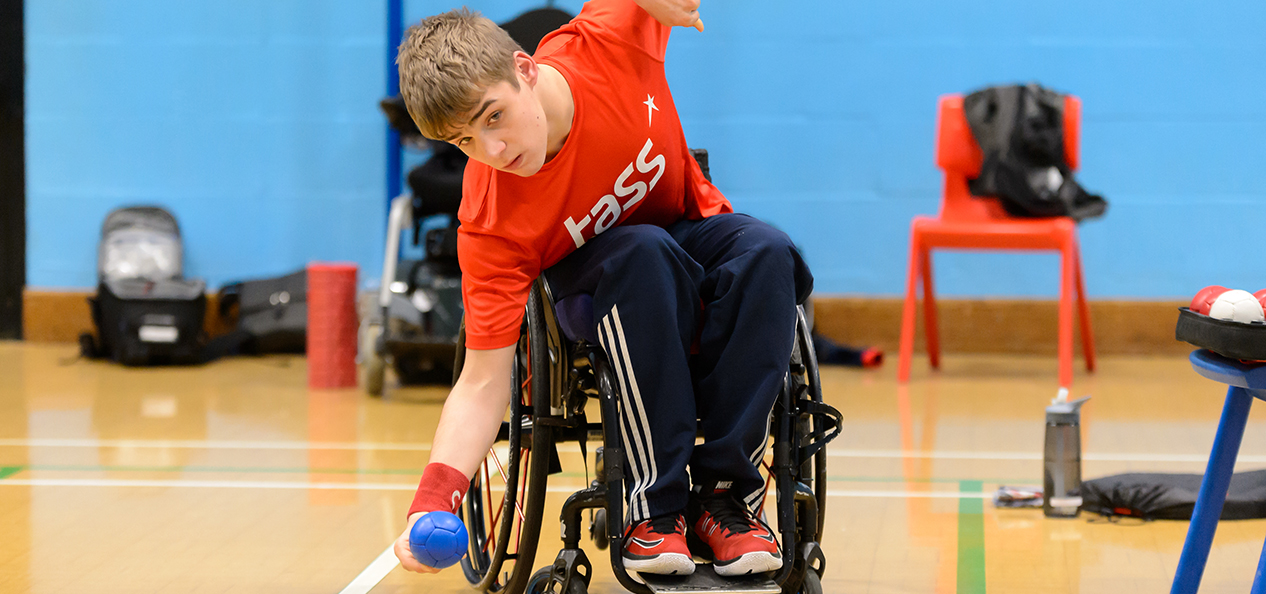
(650,107)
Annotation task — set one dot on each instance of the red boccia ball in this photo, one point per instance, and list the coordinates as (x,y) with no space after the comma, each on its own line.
(1205,298)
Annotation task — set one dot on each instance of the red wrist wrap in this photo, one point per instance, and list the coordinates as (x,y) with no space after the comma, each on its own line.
(441,489)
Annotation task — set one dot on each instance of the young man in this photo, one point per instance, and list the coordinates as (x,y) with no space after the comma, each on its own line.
(580,170)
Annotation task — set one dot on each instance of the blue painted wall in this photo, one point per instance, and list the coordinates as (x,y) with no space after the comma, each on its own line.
(255,121)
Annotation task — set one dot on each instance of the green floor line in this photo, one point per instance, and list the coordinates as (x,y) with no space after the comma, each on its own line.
(8,471)
(971,540)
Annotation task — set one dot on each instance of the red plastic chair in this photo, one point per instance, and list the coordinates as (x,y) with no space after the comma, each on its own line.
(970,223)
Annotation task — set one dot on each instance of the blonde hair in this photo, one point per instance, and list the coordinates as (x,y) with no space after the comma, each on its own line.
(446,63)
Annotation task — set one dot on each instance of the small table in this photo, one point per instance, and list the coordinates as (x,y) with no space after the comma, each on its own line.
(1245,382)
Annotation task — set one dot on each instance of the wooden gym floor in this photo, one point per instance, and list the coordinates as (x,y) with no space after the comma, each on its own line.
(234,477)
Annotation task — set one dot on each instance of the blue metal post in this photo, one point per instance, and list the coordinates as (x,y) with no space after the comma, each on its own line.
(395,157)
(1259,581)
(1213,489)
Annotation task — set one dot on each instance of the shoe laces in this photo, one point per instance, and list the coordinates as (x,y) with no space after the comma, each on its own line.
(665,524)
(728,513)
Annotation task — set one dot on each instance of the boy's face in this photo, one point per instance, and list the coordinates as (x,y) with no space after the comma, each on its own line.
(507,129)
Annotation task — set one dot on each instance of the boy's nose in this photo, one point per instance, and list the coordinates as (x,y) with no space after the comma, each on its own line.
(493,145)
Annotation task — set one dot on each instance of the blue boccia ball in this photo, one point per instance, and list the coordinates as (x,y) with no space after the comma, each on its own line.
(438,539)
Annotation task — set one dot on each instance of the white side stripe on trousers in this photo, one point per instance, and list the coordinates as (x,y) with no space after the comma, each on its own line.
(754,498)
(627,436)
(639,412)
(642,447)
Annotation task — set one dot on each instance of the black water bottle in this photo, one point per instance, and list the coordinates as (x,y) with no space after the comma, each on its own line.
(1061,485)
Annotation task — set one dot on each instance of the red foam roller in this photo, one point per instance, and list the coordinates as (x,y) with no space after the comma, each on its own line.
(331,325)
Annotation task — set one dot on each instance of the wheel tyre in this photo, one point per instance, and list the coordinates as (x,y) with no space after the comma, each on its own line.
(375,364)
(540,583)
(598,530)
(812,583)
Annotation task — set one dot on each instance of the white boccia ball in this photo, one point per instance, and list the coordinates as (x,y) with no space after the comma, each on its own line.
(1237,306)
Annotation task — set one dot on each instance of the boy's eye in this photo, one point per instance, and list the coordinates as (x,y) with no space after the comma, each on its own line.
(463,141)
(496,115)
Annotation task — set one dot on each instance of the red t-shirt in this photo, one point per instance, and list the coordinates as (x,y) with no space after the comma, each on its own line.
(624,162)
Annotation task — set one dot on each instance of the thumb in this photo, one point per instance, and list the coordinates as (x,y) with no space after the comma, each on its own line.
(698,24)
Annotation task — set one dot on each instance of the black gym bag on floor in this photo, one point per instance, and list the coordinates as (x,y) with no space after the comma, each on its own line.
(1153,496)
(271,313)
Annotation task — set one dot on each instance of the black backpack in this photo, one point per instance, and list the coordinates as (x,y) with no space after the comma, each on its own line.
(145,311)
(1020,130)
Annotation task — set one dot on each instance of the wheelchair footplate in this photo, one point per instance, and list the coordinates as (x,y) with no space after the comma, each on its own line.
(705,579)
(1234,340)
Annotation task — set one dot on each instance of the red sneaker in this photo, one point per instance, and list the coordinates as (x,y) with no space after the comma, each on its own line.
(740,543)
(658,545)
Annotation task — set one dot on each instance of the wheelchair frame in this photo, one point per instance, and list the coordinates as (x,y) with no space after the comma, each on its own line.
(571,373)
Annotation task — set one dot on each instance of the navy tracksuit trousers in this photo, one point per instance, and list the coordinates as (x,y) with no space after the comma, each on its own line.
(733,282)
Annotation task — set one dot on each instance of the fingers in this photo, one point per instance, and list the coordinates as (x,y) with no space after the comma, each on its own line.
(407,561)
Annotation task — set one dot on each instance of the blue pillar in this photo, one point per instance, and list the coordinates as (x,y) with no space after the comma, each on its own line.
(395,157)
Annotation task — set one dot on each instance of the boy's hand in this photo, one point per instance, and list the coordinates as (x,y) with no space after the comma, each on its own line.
(405,555)
(674,13)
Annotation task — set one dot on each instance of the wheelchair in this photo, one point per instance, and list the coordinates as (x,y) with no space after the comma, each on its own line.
(554,377)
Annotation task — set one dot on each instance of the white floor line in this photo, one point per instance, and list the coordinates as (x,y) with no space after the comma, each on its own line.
(572,448)
(39,482)
(374,573)
(214,445)
(948,455)
(909,494)
(294,485)
(1029,456)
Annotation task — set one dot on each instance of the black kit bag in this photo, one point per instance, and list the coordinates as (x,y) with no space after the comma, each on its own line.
(272,315)
(1020,130)
(1154,496)
(145,312)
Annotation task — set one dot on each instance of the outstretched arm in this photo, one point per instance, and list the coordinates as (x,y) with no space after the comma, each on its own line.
(468,426)
(474,409)
(674,13)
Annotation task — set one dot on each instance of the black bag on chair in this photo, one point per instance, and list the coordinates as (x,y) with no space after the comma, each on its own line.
(272,314)
(1020,130)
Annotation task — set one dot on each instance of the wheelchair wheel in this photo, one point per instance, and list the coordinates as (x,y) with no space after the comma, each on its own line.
(505,503)
(805,380)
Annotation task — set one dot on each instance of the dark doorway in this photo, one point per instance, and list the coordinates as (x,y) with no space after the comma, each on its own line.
(12,169)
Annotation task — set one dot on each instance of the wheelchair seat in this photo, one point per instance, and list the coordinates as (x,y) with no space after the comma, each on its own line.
(575,318)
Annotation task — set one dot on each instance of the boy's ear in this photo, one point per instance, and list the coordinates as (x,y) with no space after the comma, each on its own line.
(525,67)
